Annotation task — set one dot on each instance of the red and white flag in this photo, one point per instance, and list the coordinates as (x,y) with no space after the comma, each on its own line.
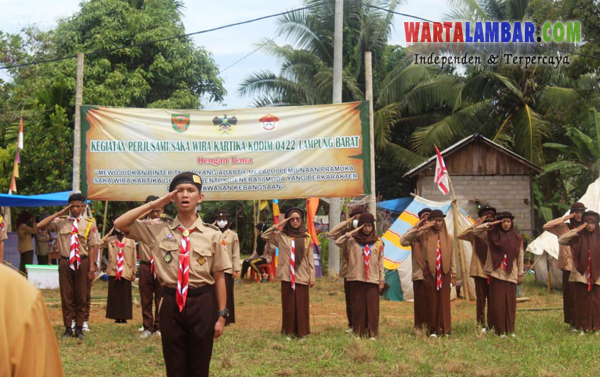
(20,139)
(441,174)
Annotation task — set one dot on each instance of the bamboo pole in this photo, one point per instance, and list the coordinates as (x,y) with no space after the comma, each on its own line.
(461,254)
(105,215)
(369,96)
(77,131)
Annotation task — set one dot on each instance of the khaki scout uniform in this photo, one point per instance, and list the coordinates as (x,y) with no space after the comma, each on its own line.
(363,291)
(185,354)
(476,272)
(28,345)
(129,254)
(232,247)
(150,287)
(74,284)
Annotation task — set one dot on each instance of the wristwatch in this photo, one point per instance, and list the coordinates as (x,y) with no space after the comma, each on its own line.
(223,313)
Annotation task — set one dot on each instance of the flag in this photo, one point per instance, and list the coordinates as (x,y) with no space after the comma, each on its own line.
(13,185)
(16,170)
(20,145)
(441,174)
(276,211)
(312,205)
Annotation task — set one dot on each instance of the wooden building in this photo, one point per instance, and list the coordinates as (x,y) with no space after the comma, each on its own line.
(483,173)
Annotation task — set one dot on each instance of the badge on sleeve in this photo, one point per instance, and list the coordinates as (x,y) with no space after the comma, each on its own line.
(168,257)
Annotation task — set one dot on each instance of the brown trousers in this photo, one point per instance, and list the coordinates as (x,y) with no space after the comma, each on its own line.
(26,258)
(438,319)
(73,291)
(150,290)
(88,301)
(502,306)
(187,336)
(588,307)
(118,305)
(569,306)
(420,303)
(365,308)
(483,293)
(295,312)
(230,299)
(348,297)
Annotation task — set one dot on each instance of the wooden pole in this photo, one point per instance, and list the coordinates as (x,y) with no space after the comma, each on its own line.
(461,254)
(548,270)
(105,214)
(77,131)
(369,94)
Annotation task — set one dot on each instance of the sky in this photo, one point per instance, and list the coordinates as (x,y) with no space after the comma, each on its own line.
(228,45)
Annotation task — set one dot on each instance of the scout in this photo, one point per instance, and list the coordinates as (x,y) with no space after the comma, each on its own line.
(190,264)
(295,270)
(363,252)
(335,233)
(504,266)
(77,240)
(231,245)
(480,248)
(438,271)
(121,270)
(418,264)
(585,249)
(559,227)
(150,288)
(28,345)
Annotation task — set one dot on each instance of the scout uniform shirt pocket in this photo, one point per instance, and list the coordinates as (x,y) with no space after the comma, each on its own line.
(201,260)
(167,261)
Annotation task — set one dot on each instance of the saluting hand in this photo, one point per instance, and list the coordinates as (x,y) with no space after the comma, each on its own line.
(427,225)
(164,201)
(489,225)
(480,221)
(282,223)
(356,230)
(569,216)
(581,227)
(64,210)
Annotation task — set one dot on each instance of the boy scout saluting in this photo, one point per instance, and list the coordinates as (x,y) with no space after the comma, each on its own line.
(189,254)
(77,239)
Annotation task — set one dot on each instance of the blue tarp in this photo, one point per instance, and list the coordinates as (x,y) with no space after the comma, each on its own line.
(395,205)
(43,200)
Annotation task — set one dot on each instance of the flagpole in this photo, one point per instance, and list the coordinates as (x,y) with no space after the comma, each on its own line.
(461,253)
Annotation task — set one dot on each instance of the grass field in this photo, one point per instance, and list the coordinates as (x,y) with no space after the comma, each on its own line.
(254,346)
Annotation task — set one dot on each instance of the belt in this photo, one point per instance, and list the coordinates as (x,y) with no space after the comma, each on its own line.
(192,292)
(67,258)
(144,262)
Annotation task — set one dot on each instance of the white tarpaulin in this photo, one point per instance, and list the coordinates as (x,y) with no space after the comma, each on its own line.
(548,242)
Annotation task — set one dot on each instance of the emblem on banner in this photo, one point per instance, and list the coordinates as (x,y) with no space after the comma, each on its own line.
(180,122)
(225,124)
(269,122)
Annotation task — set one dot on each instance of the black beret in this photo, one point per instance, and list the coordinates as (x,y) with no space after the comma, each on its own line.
(436,213)
(222,213)
(424,210)
(486,209)
(366,217)
(186,177)
(505,215)
(578,206)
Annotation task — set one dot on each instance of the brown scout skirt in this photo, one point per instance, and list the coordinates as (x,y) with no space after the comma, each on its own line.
(438,319)
(365,308)
(295,313)
(502,306)
(588,307)
(118,305)
(569,304)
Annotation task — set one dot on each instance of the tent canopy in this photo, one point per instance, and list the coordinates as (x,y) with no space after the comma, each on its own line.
(395,205)
(43,200)
(398,257)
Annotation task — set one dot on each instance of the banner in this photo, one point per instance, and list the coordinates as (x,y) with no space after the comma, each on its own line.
(247,154)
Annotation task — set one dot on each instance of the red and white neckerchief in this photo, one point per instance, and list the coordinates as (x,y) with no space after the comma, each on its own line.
(438,265)
(367,258)
(292,264)
(504,263)
(74,257)
(152,266)
(589,270)
(120,259)
(223,242)
(183,274)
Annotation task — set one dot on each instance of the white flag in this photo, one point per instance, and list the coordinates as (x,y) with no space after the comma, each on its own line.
(441,174)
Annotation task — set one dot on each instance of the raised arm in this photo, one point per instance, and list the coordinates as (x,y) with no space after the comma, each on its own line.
(124,222)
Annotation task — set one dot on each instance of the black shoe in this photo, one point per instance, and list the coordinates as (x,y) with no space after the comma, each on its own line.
(68,333)
(79,333)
